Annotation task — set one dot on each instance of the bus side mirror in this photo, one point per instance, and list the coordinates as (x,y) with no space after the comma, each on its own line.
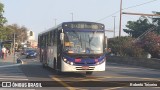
(106,42)
(61,36)
(109,50)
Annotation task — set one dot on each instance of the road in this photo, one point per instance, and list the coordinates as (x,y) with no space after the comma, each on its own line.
(115,74)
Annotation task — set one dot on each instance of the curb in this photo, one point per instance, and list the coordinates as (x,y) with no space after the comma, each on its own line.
(19,60)
(134,61)
(4,66)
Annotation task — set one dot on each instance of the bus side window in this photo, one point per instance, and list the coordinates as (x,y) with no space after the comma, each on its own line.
(55,36)
(52,40)
(48,40)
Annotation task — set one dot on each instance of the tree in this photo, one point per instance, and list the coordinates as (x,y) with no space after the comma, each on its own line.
(137,28)
(21,33)
(2,22)
(7,31)
(151,44)
(125,47)
(156,21)
(2,18)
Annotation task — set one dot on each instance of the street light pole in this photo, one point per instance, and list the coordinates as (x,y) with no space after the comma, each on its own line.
(72,16)
(14,47)
(120,21)
(55,21)
(114,26)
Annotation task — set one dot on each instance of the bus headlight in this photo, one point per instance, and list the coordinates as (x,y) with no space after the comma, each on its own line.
(71,63)
(65,59)
(100,62)
(97,63)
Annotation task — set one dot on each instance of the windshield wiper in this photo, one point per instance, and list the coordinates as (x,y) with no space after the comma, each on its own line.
(90,39)
(77,36)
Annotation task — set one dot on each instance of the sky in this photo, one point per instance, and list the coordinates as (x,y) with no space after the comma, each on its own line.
(40,15)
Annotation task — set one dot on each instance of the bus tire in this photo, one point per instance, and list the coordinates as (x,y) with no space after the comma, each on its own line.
(89,72)
(44,65)
(54,64)
(58,72)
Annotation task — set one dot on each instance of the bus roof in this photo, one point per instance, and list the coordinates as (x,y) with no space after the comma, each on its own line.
(50,29)
(60,25)
(81,22)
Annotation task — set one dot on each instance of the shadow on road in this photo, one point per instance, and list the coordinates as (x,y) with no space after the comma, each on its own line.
(38,72)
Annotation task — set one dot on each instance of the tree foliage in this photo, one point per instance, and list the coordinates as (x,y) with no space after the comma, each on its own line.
(124,46)
(7,31)
(151,43)
(137,28)
(2,18)
(156,22)
(20,32)
(2,22)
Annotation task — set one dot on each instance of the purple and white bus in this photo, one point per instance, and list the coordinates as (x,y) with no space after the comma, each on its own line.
(74,47)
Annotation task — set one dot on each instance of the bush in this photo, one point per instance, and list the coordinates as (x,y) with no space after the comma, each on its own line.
(151,44)
(124,46)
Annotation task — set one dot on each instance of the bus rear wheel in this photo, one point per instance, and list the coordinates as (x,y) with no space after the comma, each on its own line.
(89,73)
(44,65)
(58,72)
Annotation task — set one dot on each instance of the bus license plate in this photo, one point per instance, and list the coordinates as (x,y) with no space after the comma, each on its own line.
(85,67)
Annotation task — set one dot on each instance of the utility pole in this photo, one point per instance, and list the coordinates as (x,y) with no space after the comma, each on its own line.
(120,21)
(114,26)
(14,47)
(109,31)
(72,16)
(55,21)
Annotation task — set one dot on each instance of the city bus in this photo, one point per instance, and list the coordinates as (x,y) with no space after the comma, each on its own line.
(74,47)
(0,49)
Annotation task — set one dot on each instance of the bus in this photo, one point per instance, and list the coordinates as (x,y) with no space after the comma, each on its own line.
(77,46)
(0,49)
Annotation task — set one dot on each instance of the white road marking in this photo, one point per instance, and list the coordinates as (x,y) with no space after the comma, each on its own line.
(12,79)
(15,89)
(12,72)
(114,88)
(4,66)
(66,85)
(13,76)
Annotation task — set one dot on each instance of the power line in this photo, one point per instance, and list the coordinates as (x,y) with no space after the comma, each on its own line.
(125,9)
(145,33)
(108,16)
(140,4)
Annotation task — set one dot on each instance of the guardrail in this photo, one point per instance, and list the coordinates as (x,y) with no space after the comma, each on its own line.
(144,62)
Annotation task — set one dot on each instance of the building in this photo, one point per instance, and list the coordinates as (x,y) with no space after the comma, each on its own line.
(31,42)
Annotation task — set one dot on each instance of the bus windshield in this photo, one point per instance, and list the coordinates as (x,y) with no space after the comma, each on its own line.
(83,42)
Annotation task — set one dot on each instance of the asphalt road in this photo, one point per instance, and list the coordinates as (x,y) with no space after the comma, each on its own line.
(116,77)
